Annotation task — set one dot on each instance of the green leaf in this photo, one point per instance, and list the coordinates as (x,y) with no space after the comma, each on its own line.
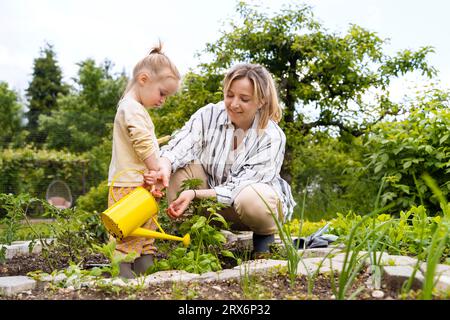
(227,253)
(428,149)
(199,224)
(219,218)
(220,238)
(378,168)
(407,164)
(163,265)
(96,272)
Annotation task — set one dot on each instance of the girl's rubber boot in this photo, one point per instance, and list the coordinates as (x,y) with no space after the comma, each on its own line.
(126,270)
(142,264)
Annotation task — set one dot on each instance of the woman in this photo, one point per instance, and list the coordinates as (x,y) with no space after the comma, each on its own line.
(236,148)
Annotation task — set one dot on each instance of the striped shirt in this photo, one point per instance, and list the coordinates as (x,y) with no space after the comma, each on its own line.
(207,138)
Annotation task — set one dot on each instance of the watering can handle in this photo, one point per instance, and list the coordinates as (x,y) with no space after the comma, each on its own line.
(115,178)
(111,192)
(160,141)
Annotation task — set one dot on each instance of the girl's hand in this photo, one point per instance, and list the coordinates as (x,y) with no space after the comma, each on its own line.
(151,177)
(159,178)
(177,207)
(157,193)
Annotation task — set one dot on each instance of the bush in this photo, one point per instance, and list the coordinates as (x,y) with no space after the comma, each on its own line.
(402,151)
(29,170)
(96,200)
(328,169)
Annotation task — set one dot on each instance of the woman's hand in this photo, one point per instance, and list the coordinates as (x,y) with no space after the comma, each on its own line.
(177,207)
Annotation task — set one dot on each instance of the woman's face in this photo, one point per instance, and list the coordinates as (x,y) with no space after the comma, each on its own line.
(241,104)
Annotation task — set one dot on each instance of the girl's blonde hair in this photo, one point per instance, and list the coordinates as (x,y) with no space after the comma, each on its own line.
(155,62)
(264,90)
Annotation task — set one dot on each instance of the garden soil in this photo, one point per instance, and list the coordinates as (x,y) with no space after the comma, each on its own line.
(275,286)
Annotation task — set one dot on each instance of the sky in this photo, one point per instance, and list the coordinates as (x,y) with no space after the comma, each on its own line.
(123,31)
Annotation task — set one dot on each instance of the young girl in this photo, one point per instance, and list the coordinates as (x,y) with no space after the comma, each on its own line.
(135,147)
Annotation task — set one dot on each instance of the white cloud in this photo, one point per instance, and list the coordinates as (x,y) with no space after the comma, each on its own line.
(123,31)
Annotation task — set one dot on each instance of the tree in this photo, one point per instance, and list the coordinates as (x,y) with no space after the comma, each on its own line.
(85,116)
(10,116)
(196,91)
(330,73)
(43,91)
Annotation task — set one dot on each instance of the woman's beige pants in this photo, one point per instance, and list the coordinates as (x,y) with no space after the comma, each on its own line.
(248,212)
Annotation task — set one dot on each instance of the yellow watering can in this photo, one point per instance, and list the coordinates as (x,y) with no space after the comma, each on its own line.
(125,217)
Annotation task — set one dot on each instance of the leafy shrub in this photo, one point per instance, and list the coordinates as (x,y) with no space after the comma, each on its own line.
(74,230)
(206,241)
(308,227)
(29,170)
(96,200)
(15,210)
(402,151)
(328,170)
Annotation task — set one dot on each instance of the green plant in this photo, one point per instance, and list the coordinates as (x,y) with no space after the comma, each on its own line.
(304,228)
(75,276)
(15,210)
(251,286)
(29,231)
(188,260)
(402,150)
(190,184)
(285,235)
(72,230)
(438,241)
(73,238)
(329,170)
(95,200)
(11,113)
(109,251)
(292,250)
(178,291)
(354,259)
(206,242)
(406,235)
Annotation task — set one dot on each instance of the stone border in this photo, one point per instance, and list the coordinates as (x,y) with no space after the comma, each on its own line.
(395,270)
(23,247)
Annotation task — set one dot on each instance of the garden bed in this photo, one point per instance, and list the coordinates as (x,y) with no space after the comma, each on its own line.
(273,285)
(212,266)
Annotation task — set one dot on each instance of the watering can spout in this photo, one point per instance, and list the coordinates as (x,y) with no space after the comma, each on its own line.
(141,232)
(186,240)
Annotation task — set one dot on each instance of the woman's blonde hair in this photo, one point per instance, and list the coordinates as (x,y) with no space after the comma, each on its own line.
(155,62)
(264,90)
